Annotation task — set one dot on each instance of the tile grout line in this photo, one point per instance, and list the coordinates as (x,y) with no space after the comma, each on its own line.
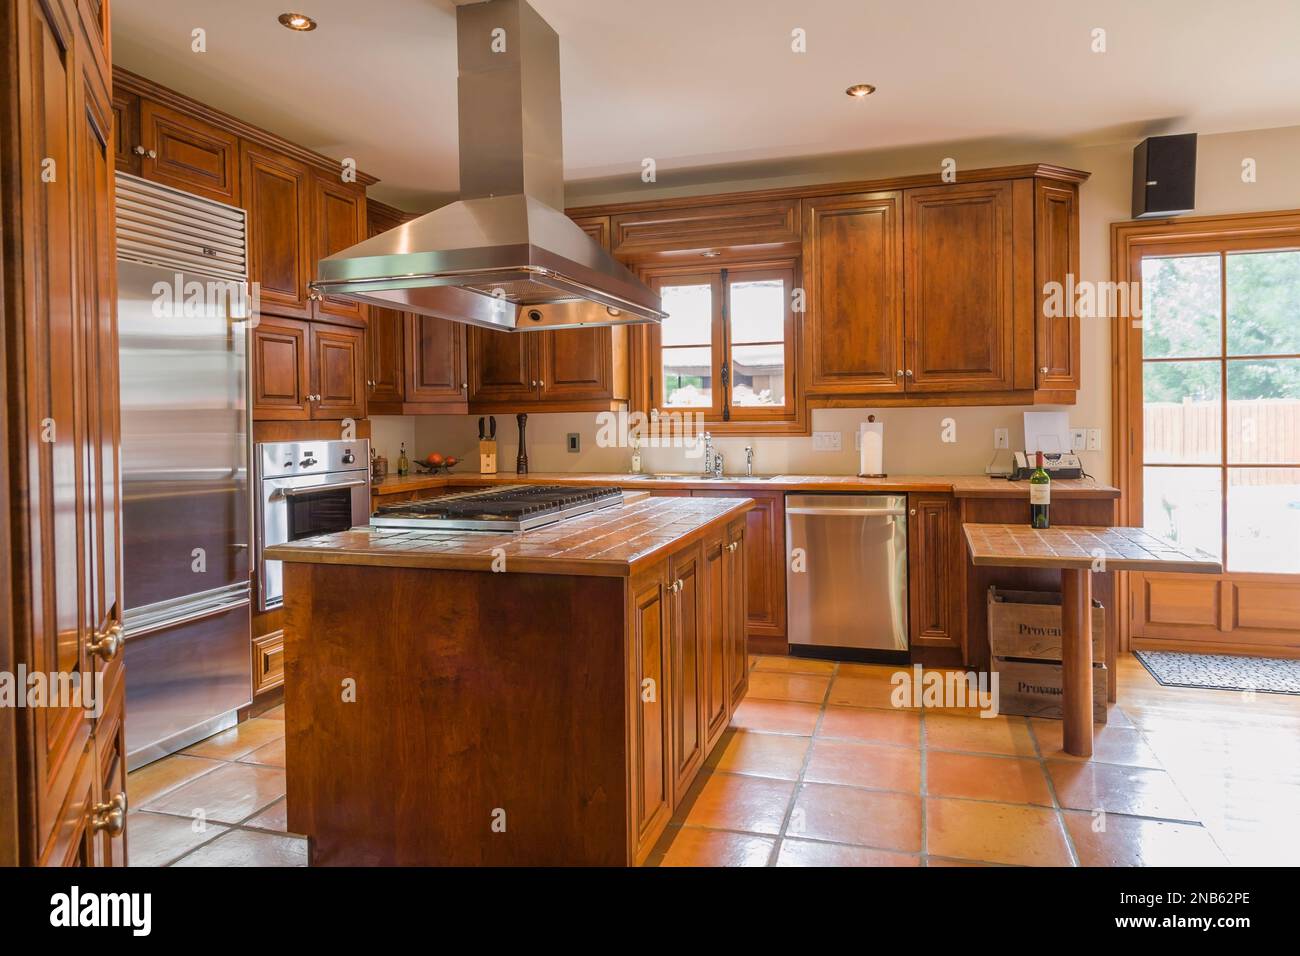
(803,769)
(1056,800)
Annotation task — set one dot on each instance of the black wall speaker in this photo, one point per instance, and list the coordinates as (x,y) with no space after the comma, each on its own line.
(1164,176)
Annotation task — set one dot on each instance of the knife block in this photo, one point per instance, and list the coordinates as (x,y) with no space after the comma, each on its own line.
(487,456)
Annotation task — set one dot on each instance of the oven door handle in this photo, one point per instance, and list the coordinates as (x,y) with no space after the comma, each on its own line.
(315,489)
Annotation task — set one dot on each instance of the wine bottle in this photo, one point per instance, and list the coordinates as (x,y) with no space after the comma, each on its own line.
(404,466)
(1040,494)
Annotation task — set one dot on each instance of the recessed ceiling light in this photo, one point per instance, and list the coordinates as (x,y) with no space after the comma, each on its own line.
(297,21)
(860,90)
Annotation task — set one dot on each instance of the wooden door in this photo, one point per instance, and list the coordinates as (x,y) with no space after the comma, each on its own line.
(1056,259)
(853,275)
(933,572)
(714,652)
(647,688)
(502,366)
(126,132)
(576,364)
(960,315)
(685,586)
(185,152)
(276,195)
(435,360)
(765,571)
(338,362)
(282,381)
(338,221)
(736,584)
(385,358)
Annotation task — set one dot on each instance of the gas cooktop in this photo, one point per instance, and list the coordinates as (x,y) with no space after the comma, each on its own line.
(513,508)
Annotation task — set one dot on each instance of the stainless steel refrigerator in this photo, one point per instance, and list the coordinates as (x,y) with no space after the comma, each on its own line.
(182,308)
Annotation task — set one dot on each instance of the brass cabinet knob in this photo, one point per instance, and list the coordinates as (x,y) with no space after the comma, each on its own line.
(139,150)
(464,386)
(908,373)
(900,373)
(677,586)
(540,383)
(733,546)
(152,155)
(106,643)
(912,512)
(534,383)
(1043,370)
(109,817)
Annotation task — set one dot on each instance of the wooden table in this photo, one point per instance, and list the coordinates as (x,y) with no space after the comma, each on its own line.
(1078,552)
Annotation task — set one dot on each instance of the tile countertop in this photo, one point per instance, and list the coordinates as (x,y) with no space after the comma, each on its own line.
(963,486)
(612,542)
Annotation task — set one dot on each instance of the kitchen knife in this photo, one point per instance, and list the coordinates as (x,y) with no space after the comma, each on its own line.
(492,426)
(480,429)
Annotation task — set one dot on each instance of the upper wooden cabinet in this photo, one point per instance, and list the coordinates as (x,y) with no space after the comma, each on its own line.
(183,151)
(338,221)
(338,363)
(276,196)
(958,269)
(435,362)
(1056,259)
(674,230)
(561,370)
(307,370)
(853,282)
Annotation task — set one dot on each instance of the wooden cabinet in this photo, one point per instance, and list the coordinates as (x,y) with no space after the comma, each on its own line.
(959,261)
(180,150)
(126,132)
(715,632)
(268,662)
(673,230)
(686,627)
(735,604)
(1056,259)
(935,552)
(338,221)
(765,571)
(853,279)
(649,747)
(307,370)
(276,196)
(561,370)
(435,362)
(59,548)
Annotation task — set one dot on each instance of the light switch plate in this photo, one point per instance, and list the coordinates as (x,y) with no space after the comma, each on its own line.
(1078,439)
(1001,438)
(1094,439)
(827,441)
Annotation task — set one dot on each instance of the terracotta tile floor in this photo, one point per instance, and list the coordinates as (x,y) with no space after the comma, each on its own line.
(819,770)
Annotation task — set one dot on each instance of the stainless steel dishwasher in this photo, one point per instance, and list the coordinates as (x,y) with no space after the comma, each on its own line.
(846,576)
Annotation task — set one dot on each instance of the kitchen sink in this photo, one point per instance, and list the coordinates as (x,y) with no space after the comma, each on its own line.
(677,476)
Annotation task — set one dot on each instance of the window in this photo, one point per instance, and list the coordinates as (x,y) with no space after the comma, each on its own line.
(1220,391)
(726,347)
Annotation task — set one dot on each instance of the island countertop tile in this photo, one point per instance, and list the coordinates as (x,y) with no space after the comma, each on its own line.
(611,542)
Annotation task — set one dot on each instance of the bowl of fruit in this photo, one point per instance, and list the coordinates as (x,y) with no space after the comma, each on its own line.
(435,463)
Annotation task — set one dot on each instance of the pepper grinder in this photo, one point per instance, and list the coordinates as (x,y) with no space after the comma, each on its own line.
(521,460)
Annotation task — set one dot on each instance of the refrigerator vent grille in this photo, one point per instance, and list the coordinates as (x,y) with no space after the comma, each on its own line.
(162,226)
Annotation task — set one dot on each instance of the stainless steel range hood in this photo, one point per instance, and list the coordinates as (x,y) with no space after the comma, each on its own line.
(504,256)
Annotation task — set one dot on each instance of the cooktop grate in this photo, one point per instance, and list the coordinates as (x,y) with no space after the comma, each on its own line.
(516,508)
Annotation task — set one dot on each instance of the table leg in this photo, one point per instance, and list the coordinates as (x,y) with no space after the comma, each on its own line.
(1076,660)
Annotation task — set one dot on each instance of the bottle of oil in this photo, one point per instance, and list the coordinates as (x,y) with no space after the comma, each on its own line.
(1040,494)
(404,466)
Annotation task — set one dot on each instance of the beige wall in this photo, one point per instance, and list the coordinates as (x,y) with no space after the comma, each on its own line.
(912,435)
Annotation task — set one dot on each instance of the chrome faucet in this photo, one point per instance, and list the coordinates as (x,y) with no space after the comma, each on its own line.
(712,459)
(749,461)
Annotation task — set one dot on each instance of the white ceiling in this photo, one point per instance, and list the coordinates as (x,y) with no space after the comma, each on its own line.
(696,83)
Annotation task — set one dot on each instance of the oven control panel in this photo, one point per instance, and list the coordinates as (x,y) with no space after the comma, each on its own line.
(286,459)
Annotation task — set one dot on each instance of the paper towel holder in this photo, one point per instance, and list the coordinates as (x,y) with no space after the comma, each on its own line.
(861,474)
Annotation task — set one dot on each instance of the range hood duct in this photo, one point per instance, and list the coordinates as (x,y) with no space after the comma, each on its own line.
(504,256)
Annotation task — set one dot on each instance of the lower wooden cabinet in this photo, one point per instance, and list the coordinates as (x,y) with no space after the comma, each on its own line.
(687,670)
(935,553)
(765,575)
(268,662)
(307,370)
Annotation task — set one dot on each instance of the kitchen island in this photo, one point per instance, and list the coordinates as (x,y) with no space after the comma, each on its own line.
(491,698)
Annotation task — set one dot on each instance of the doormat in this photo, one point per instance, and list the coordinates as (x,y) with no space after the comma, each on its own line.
(1267,675)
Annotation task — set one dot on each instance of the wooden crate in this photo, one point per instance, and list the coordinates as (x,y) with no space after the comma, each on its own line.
(1027,625)
(1033,689)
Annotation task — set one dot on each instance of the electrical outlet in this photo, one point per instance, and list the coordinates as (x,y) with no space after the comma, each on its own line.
(1094,439)
(1001,438)
(574,443)
(1078,439)
(827,441)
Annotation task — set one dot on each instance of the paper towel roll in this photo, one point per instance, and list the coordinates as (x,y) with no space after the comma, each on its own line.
(872,460)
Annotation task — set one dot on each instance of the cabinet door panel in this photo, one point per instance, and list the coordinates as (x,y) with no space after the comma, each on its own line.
(187,153)
(501,366)
(736,588)
(765,571)
(714,652)
(687,667)
(126,131)
(959,275)
(338,221)
(648,714)
(385,357)
(435,360)
(575,364)
(338,364)
(281,370)
(1056,251)
(853,267)
(275,191)
(933,562)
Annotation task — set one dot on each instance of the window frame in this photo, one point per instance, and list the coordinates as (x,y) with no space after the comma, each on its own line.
(722,416)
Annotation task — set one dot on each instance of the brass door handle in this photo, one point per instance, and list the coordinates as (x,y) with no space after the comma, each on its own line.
(676,586)
(733,546)
(105,645)
(109,817)
(138,150)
